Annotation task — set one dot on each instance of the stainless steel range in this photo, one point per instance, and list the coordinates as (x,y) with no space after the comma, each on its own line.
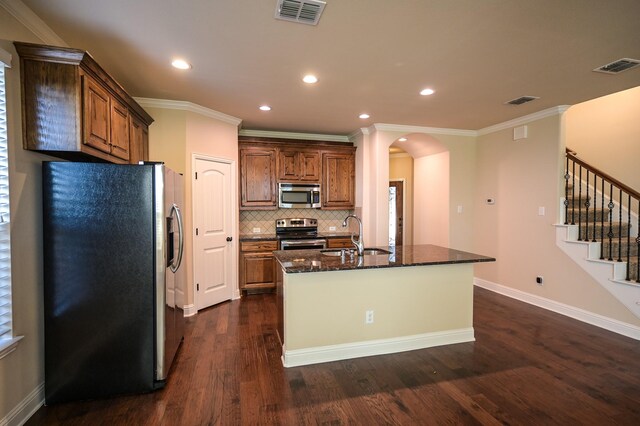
(299,234)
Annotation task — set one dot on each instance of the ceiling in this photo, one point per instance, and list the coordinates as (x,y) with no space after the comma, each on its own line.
(370,56)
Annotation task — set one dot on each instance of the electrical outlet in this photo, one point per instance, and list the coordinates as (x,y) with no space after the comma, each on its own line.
(256,230)
(539,280)
(332,228)
(368,317)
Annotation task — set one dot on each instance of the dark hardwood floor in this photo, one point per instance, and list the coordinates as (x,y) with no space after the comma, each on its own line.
(527,366)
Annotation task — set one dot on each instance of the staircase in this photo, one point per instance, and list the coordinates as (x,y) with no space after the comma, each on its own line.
(599,229)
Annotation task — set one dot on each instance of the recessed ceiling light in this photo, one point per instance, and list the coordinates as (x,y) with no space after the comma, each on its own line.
(181,64)
(402,140)
(310,79)
(265,108)
(427,92)
(364,116)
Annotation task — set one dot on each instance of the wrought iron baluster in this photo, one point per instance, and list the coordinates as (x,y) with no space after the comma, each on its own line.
(628,236)
(602,223)
(610,234)
(638,242)
(620,227)
(595,205)
(573,194)
(587,204)
(580,206)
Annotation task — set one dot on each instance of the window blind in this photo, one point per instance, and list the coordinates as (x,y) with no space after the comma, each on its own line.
(5,241)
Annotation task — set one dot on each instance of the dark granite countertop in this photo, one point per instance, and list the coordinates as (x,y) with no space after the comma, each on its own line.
(260,237)
(257,237)
(294,261)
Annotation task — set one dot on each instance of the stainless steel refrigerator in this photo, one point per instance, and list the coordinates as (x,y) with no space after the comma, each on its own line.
(113,283)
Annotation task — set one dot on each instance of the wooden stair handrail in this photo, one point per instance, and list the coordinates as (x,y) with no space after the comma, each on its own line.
(572,155)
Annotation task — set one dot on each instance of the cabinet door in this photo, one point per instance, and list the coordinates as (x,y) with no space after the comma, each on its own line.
(96,120)
(138,141)
(258,178)
(338,171)
(119,130)
(288,165)
(257,270)
(339,243)
(310,166)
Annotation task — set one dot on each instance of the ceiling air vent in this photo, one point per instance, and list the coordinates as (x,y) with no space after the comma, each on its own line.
(521,100)
(302,11)
(618,66)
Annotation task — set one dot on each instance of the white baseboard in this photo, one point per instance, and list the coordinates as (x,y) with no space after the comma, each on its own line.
(25,409)
(601,321)
(190,310)
(297,357)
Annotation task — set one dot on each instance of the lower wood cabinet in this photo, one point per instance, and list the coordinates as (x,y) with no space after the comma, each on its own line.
(257,265)
(339,242)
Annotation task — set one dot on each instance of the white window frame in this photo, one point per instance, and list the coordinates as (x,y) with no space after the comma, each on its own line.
(8,341)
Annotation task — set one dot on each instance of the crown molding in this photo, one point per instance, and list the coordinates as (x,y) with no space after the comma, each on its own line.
(524,119)
(187,106)
(361,131)
(420,129)
(291,135)
(29,19)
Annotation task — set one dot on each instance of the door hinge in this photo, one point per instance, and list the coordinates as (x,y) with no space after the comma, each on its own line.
(196,231)
(198,287)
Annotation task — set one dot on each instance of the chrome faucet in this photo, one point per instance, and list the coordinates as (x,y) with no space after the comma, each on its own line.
(358,243)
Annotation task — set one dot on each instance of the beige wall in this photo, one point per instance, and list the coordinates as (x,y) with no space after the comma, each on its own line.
(174,137)
(405,301)
(209,137)
(431,199)
(461,172)
(606,133)
(168,137)
(522,176)
(401,167)
(22,372)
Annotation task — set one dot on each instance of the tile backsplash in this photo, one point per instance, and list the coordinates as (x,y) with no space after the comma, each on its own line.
(266,219)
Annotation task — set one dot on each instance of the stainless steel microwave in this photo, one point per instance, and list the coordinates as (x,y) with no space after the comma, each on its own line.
(299,195)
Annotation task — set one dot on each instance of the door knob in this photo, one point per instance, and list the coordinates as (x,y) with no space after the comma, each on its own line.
(229,238)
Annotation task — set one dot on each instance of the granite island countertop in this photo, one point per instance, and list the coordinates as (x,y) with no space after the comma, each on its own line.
(296,261)
(261,237)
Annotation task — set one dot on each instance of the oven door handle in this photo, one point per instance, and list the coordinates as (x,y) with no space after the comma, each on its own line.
(292,243)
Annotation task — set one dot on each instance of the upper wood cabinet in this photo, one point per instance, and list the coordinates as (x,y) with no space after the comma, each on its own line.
(73,109)
(258,178)
(338,180)
(266,161)
(138,140)
(298,166)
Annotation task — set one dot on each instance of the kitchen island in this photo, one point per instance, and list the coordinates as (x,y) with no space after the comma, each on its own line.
(334,306)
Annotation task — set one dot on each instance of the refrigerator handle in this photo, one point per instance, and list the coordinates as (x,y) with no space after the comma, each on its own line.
(176,263)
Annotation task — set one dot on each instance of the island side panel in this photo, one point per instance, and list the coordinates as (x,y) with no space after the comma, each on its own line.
(328,308)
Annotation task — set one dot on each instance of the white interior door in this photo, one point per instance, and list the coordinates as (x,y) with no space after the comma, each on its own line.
(213,214)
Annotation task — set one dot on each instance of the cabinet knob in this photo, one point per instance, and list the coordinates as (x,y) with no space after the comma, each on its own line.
(229,238)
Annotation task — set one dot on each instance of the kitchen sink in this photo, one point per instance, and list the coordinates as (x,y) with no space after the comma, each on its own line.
(333,252)
(375,251)
(367,252)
